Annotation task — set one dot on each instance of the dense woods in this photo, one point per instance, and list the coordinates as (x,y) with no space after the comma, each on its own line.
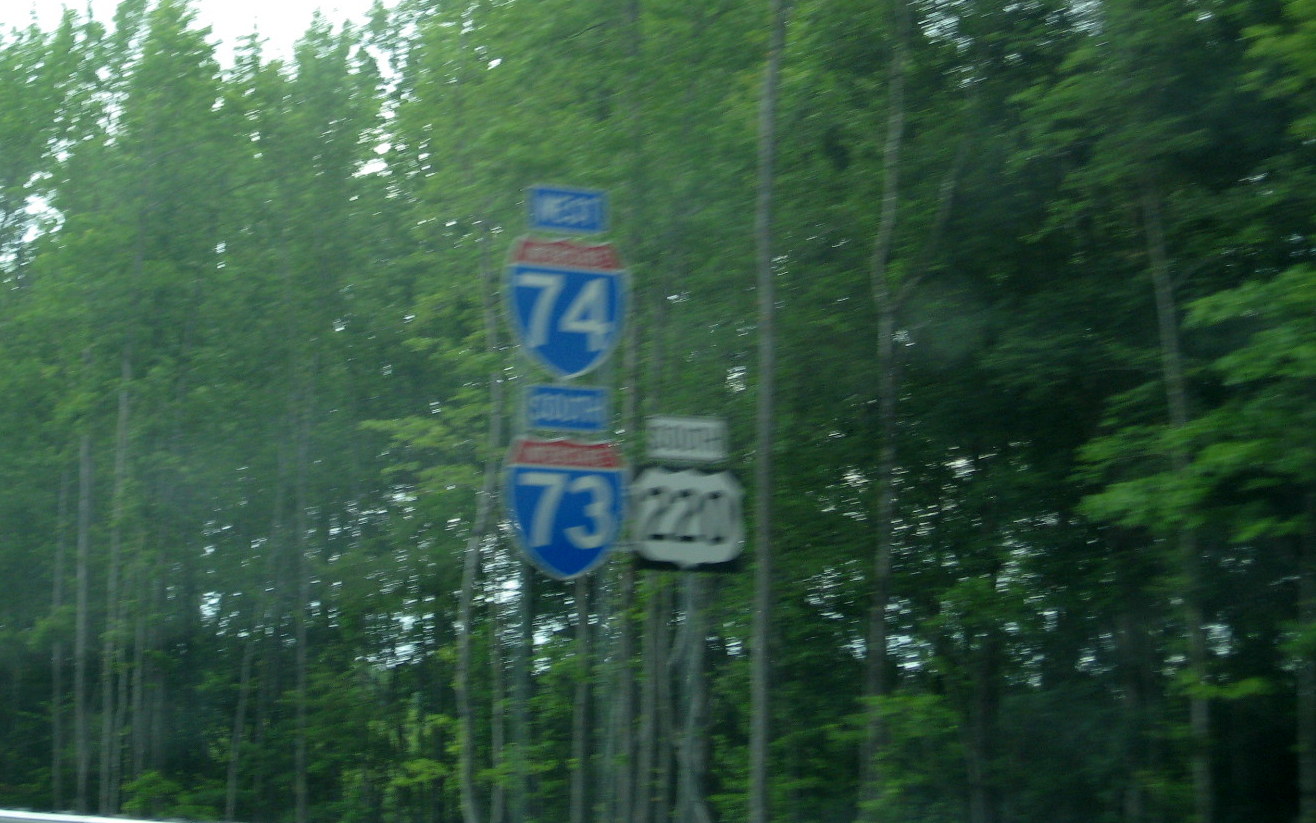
(1011,308)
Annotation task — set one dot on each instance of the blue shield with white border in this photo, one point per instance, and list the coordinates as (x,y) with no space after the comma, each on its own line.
(567,303)
(567,502)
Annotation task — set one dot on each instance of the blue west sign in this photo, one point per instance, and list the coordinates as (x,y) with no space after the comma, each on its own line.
(562,209)
(566,500)
(567,301)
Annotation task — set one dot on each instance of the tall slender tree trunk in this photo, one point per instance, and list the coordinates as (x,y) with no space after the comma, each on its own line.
(1134,661)
(81,718)
(647,744)
(272,644)
(1306,670)
(693,807)
(262,615)
(57,650)
(109,657)
(156,719)
(626,776)
(303,406)
(498,716)
(1189,556)
(111,646)
(110,748)
(301,766)
(884,299)
(140,675)
(471,812)
(236,736)
(983,732)
(122,707)
(982,807)
(654,750)
(580,723)
(520,805)
(664,721)
(760,648)
(623,711)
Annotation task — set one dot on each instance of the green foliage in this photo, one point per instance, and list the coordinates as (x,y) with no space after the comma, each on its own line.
(1284,49)
(152,795)
(921,765)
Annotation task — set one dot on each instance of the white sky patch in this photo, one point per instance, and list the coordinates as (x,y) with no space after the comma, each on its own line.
(279,22)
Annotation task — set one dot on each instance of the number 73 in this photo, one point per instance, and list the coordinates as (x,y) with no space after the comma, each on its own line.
(597,510)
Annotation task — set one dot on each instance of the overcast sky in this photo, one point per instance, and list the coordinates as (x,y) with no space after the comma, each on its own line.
(279,21)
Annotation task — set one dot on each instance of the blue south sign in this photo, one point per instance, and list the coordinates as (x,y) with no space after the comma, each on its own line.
(567,408)
(567,502)
(567,302)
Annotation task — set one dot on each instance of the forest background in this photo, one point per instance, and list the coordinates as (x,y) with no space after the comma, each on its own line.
(1011,309)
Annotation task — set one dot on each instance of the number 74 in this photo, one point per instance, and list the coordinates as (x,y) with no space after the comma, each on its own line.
(587,313)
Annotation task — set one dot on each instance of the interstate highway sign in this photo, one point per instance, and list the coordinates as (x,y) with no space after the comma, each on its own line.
(566,500)
(567,301)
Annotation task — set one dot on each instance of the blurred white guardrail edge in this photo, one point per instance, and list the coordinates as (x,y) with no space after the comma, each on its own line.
(15,816)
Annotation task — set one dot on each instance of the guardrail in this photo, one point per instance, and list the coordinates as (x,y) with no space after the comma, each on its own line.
(10,816)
